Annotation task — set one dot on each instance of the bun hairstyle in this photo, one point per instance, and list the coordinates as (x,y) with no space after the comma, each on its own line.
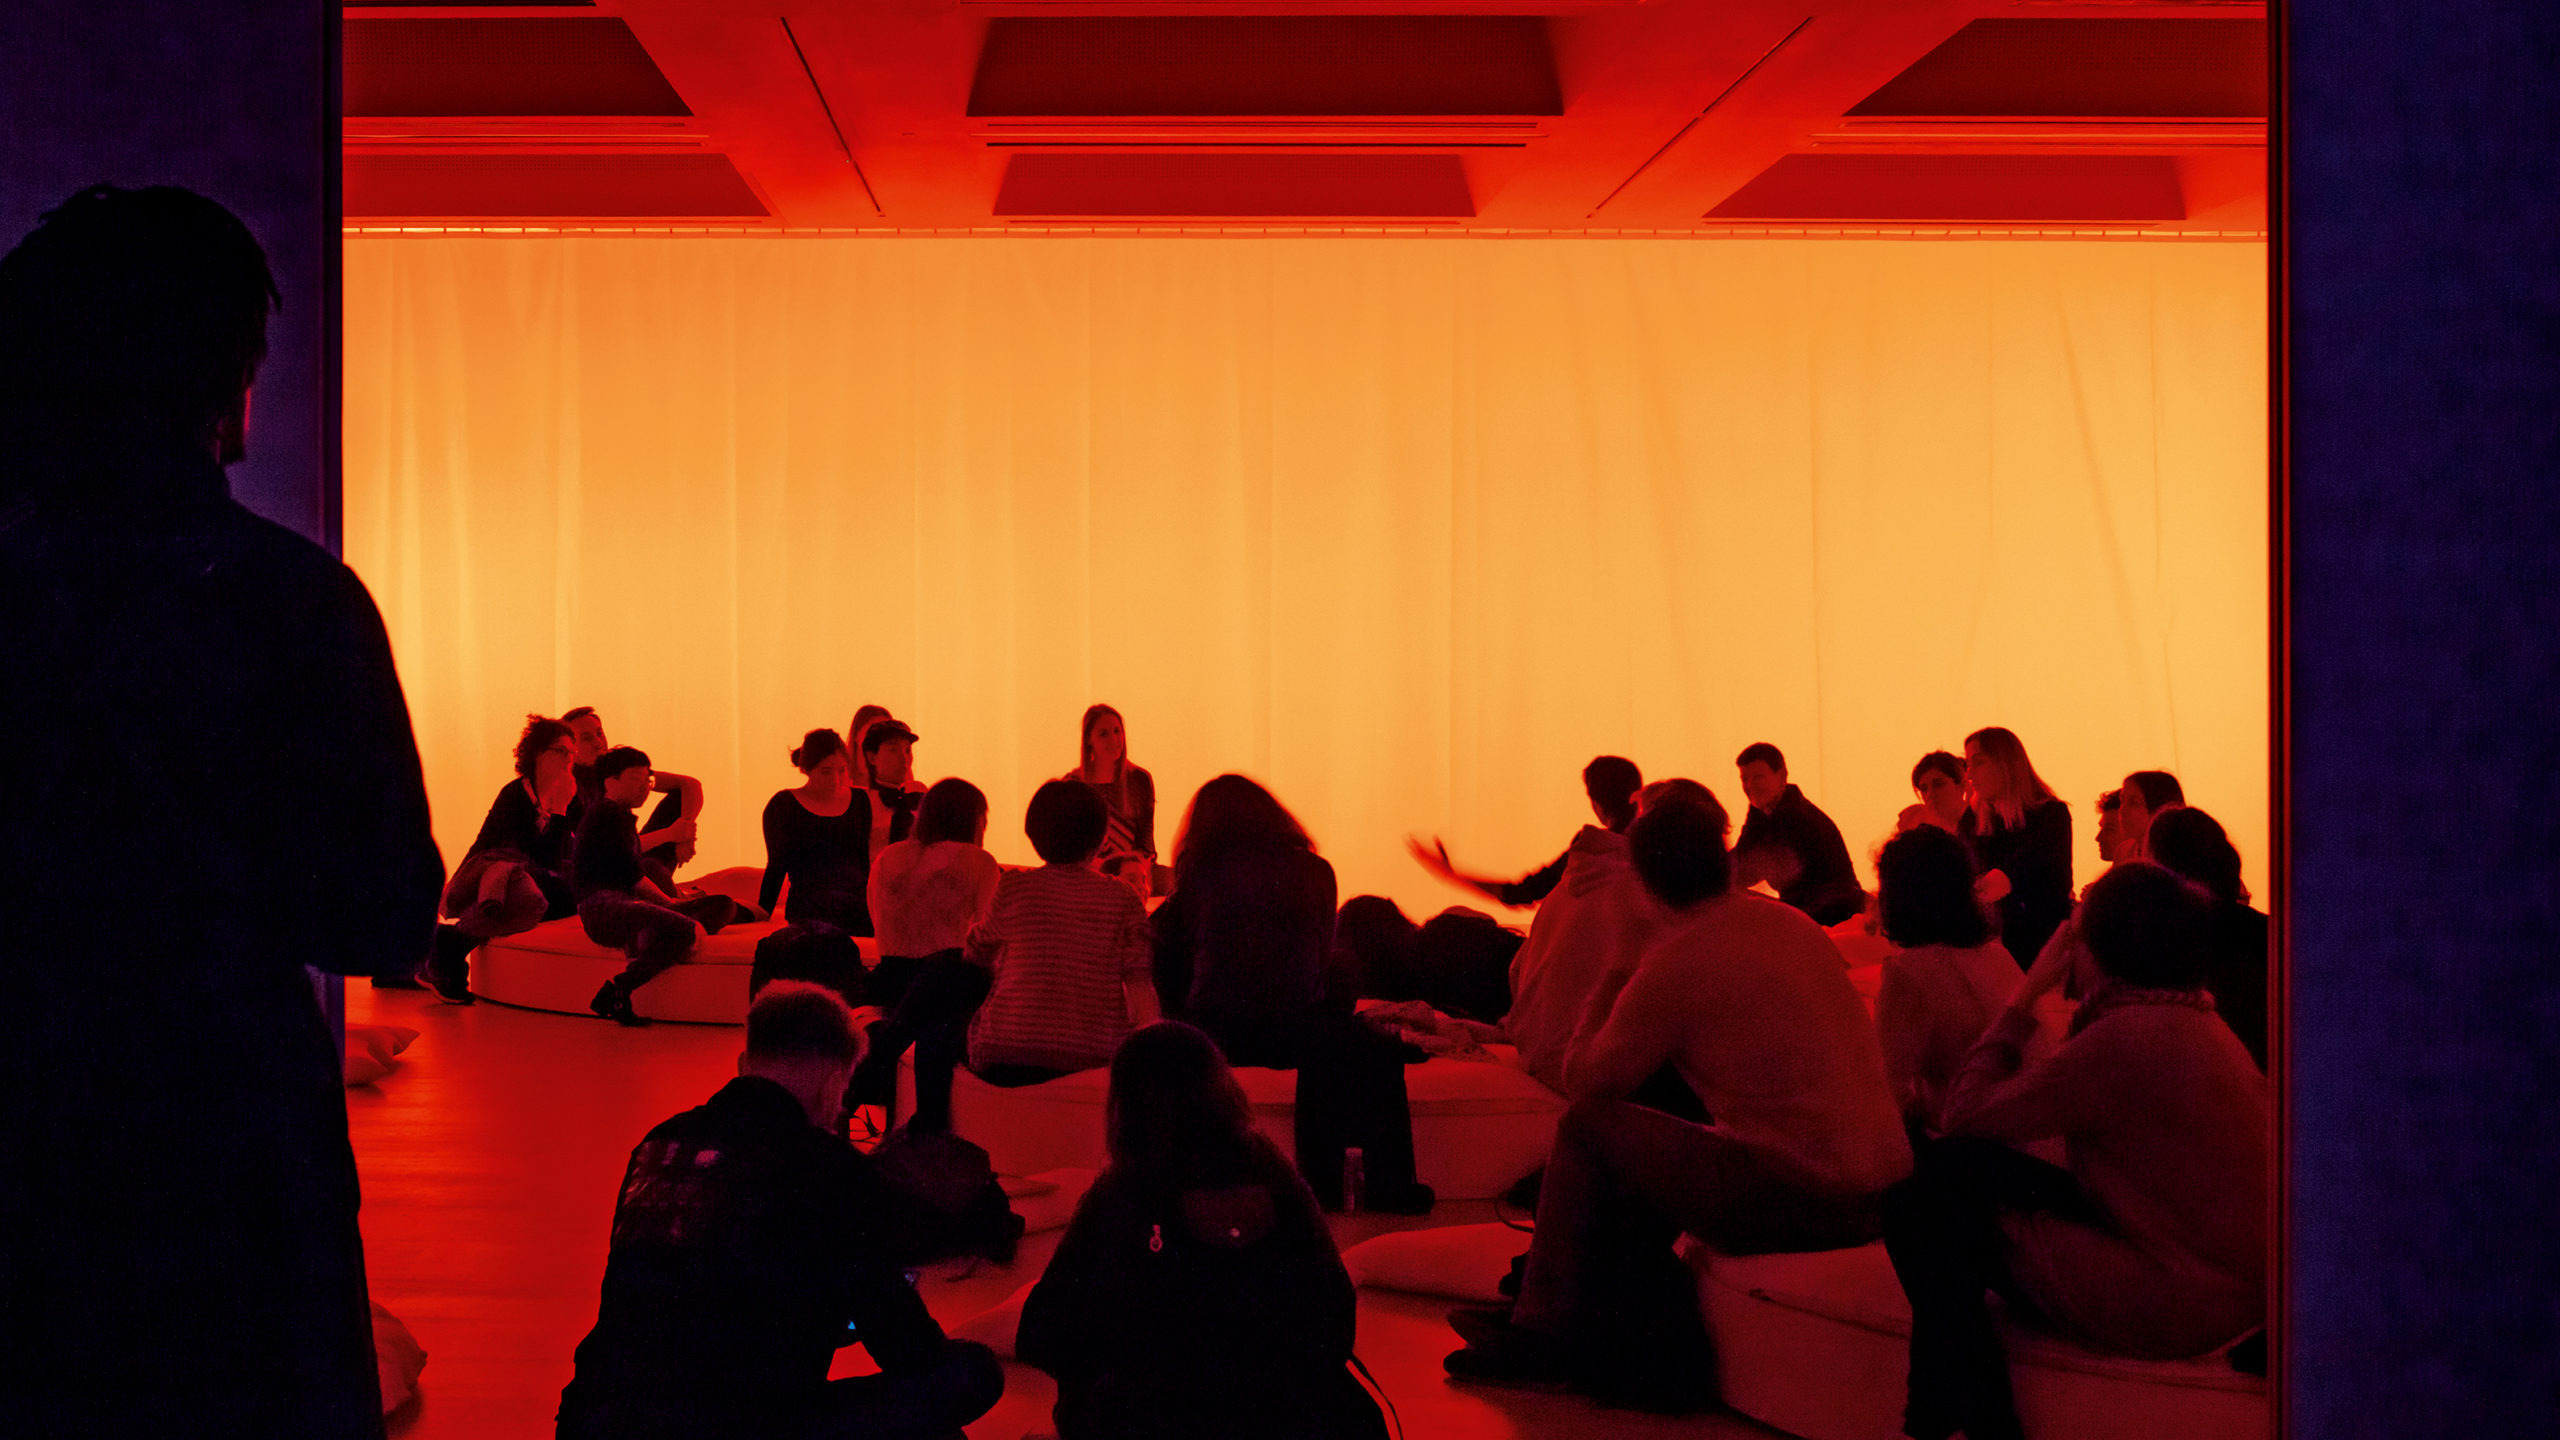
(815,749)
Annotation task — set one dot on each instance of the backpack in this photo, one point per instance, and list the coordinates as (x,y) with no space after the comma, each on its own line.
(949,1200)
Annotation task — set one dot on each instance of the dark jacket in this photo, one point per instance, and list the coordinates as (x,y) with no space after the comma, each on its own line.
(1217,1307)
(1242,946)
(748,1247)
(2036,856)
(213,785)
(1825,885)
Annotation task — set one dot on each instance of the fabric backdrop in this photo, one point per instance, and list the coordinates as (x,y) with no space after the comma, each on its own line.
(1408,529)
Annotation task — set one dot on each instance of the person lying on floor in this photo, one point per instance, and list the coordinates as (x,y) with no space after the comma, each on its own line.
(618,903)
(1746,999)
(1066,949)
(2153,1242)
(516,874)
(748,1247)
(1197,1292)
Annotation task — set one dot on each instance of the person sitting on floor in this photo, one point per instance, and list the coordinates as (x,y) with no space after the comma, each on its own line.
(2153,1242)
(1746,998)
(1945,978)
(1067,948)
(1129,795)
(1198,1291)
(667,837)
(1939,782)
(818,837)
(1610,782)
(889,763)
(2192,843)
(928,892)
(1244,950)
(618,903)
(1789,843)
(516,873)
(2147,795)
(749,1245)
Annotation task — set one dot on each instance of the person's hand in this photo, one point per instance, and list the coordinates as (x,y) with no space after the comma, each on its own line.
(1433,857)
(555,796)
(680,831)
(1992,888)
(2052,967)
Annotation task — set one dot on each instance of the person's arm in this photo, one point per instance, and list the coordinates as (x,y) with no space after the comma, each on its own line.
(1902,1029)
(1142,811)
(1136,946)
(1995,1095)
(889,1318)
(1062,1331)
(1173,962)
(1635,1041)
(683,829)
(777,851)
(1518,894)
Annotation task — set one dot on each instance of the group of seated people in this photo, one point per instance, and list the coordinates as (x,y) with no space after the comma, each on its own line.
(1725,1080)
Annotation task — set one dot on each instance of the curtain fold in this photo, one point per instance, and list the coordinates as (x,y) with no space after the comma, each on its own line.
(1408,529)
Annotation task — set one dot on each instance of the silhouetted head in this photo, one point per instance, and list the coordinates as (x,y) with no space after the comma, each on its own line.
(2192,843)
(2146,793)
(1764,774)
(131,322)
(815,749)
(1939,782)
(1231,815)
(1679,853)
(1066,822)
(1611,782)
(1106,741)
(2004,782)
(1676,788)
(2146,926)
(1174,1104)
(801,1037)
(1924,891)
(953,809)
(542,736)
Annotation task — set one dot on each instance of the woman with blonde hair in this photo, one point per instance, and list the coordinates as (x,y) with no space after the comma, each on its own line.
(1128,796)
(2020,832)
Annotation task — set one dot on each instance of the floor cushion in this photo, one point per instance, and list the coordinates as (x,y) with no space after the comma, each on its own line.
(1453,1262)
(554,966)
(1818,1345)
(397,1358)
(373,1051)
(1478,1126)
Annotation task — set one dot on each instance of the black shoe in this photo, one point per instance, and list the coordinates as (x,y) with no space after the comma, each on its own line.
(1482,1324)
(1502,1353)
(1411,1198)
(396,982)
(448,969)
(614,1003)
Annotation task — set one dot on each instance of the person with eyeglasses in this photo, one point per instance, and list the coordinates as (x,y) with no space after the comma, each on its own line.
(516,874)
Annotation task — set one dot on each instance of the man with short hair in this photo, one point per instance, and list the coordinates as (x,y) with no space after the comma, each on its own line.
(1746,999)
(2111,826)
(212,785)
(1610,782)
(1788,842)
(667,845)
(750,1243)
(2145,794)
(618,902)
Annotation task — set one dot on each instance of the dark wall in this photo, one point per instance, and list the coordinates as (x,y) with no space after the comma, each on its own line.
(236,101)
(2426,654)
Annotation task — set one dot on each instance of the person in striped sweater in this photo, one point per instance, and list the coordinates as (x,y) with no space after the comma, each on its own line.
(1069,949)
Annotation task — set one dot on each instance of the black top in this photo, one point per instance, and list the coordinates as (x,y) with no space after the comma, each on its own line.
(1826,884)
(515,823)
(606,859)
(826,857)
(748,1246)
(1535,886)
(1241,948)
(212,784)
(2036,856)
(901,804)
(2238,978)
(1133,824)
(1220,1308)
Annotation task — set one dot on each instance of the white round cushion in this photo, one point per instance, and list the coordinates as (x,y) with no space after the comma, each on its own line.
(1818,1345)
(1478,1126)
(554,966)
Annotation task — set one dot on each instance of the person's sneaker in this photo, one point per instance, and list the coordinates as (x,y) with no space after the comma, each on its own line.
(614,1003)
(1482,1324)
(1501,1353)
(447,972)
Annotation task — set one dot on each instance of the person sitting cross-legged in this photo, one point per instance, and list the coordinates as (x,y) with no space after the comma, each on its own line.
(618,903)
(749,1245)
(1746,998)
(2153,1241)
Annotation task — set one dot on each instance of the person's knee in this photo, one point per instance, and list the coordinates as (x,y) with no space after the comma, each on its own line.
(974,1375)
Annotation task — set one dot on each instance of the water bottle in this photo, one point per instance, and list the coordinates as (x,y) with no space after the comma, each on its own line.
(1352,1179)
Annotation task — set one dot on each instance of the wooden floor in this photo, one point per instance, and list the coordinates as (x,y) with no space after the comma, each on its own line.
(490,1159)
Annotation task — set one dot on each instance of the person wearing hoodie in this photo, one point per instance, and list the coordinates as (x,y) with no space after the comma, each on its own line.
(1197,1291)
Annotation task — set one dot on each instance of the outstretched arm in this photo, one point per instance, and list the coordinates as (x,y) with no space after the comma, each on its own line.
(1518,894)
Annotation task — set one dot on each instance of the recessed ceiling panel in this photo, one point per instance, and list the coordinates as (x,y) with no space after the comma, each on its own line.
(1267,65)
(1239,186)
(1961,188)
(2191,69)
(548,187)
(501,66)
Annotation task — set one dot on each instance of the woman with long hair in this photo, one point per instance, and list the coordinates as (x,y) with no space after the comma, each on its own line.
(1242,951)
(1198,1291)
(818,837)
(2192,843)
(2021,837)
(927,891)
(1946,976)
(1128,794)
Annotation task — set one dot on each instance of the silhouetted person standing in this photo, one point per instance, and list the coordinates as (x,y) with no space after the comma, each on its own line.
(213,784)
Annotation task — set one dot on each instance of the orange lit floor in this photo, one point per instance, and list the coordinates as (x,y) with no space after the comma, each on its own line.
(490,1159)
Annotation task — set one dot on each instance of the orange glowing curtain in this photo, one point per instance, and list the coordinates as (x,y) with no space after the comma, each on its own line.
(1407,528)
